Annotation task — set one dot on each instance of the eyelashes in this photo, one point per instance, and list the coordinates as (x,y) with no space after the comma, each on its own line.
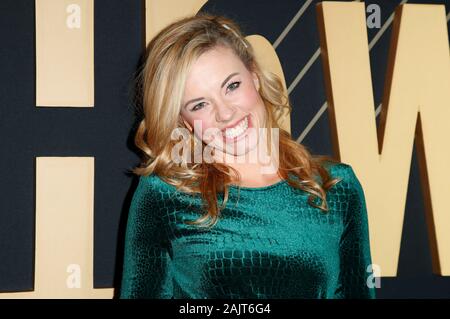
(238,83)
(232,86)
(197,107)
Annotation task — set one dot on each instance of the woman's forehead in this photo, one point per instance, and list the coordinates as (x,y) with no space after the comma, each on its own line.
(215,63)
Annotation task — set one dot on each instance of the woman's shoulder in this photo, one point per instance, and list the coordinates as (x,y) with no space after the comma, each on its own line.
(349,191)
(345,173)
(339,168)
(155,182)
(155,186)
(152,187)
(151,197)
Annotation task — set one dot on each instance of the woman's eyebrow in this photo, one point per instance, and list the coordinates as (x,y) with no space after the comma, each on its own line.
(228,77)
(221,86)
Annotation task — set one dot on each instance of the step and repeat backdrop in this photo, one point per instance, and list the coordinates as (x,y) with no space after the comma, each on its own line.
(369,84)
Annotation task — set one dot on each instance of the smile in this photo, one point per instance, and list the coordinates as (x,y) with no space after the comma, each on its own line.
(237,130)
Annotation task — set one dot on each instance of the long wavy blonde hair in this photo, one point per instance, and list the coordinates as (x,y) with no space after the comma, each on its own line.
(161,82)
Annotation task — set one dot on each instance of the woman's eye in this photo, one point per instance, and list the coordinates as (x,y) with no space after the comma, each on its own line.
(233,86)
(197,107)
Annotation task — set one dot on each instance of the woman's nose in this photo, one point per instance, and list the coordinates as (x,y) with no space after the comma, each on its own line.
(224,112)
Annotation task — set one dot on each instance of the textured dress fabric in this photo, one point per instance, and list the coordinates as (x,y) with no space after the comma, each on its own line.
(269,243)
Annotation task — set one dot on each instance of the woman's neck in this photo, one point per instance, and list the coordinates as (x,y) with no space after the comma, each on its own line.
(255,170)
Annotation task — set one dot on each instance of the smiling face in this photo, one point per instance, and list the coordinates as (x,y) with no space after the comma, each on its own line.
(221,98)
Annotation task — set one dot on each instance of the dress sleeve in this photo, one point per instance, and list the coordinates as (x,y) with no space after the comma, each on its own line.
(146,267)
(355,279)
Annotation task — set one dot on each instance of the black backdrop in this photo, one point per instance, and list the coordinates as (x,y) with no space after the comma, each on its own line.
(106,131)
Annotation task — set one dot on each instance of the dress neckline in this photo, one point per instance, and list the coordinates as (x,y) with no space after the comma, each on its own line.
(260,188)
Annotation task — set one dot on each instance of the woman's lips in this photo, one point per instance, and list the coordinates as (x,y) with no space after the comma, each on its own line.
(239,137)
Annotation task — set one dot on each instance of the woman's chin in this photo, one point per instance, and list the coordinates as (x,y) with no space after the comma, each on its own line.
(238,150)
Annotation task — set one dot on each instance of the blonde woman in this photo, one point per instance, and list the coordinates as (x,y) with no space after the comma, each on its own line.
(226,225)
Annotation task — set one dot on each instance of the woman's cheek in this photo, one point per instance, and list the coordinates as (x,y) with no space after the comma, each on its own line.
(209,133)
(252,98)
(200,127)
(198,124)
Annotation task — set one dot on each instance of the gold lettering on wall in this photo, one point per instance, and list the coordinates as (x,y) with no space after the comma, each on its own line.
(65,53)
(268,59)
(64,247)
(416,92)
(160,13)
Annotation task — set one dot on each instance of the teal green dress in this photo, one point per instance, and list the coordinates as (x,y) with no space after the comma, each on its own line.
(269,243)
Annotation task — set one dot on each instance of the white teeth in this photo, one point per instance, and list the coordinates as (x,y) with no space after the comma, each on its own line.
(238,129)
